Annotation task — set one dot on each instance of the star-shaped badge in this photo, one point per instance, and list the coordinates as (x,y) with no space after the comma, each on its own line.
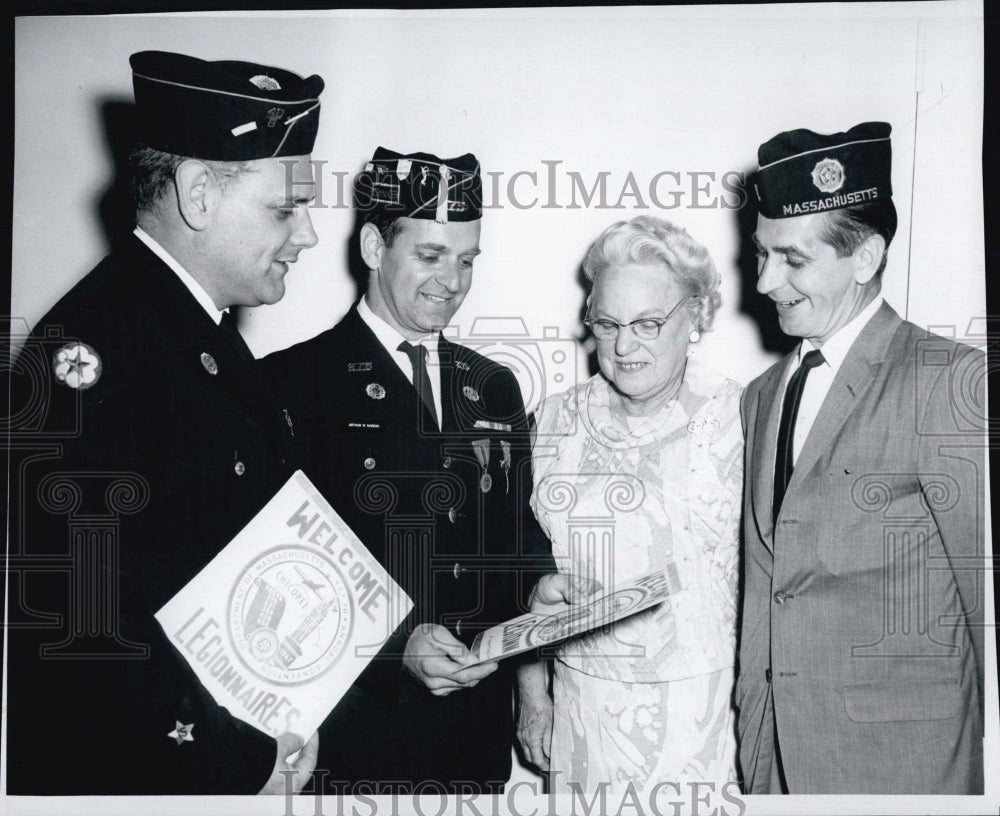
(182,733)
(76,365)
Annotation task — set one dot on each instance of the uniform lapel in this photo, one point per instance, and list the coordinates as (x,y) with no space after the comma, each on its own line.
(854,377)
(449,384)
(384,388)
(203,349)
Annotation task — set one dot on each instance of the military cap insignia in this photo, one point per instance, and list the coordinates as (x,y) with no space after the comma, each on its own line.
(76,365)
(274,116)
(265,83)
(182,732)
(375,391)
(248,127)
(208,361)
(828,175)
(470,393)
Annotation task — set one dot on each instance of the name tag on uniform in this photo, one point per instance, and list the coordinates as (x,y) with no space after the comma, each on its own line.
(364,426)
(491,426)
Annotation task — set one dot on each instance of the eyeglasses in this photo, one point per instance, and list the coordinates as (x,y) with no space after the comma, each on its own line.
(645,328)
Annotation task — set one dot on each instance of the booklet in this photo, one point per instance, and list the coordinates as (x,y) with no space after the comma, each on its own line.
(536,629)
(282,621)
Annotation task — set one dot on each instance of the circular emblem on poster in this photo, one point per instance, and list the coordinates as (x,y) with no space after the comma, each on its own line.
(586,617)
(828,175)
(290,614)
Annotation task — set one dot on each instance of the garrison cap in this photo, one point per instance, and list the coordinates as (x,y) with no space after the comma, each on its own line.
(803,172)
(224,110)
(420,185)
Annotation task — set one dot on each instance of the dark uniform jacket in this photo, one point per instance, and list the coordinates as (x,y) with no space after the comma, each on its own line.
(414,494)
(122,491)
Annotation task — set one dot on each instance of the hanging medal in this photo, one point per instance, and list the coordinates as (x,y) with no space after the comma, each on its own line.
(482,449)
(505,462)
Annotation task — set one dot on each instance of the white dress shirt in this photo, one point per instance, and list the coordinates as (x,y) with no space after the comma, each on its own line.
(821,378)
(193,286)
(390,339)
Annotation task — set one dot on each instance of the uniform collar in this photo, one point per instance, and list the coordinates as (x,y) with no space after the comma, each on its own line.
(388,335)
(192,285)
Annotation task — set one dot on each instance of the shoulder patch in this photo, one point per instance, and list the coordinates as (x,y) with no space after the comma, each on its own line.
(76,365)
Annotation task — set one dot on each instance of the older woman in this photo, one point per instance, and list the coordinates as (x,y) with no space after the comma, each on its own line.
(640,468)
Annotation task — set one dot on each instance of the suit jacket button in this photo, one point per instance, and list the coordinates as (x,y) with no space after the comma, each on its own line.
(780,598)
(458,628)
(240,468)
(452,515)
(457,570)
(369,463)
(447,462)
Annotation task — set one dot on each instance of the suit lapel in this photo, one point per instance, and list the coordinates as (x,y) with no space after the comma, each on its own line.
(854,377)
(765,443)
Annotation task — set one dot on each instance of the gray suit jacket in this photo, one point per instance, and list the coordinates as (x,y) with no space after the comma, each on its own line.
(862,613)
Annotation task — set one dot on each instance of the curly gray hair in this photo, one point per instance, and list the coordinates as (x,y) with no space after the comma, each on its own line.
(653,241)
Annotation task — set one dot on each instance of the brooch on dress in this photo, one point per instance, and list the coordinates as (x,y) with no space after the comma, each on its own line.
(704,426)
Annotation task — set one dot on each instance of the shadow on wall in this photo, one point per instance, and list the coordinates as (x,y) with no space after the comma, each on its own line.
(756,306)
(356,266)
(115,206)
(585,338)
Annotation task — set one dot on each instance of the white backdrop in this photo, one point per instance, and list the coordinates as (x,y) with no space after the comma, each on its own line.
(627,93)
(621,94)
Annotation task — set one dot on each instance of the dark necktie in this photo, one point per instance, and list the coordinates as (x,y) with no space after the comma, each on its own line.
(421,380)
(786,430)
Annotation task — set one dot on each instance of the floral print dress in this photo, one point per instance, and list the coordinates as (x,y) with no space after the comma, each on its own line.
(649,698)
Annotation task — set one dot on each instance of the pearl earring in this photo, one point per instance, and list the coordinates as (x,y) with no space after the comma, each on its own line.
(695,336)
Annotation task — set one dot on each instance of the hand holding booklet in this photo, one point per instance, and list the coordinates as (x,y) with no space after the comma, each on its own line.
(282,621)
(535,629)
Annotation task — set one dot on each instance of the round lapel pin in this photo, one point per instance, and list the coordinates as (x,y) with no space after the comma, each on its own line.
(208,361)
(470,393)
(375,391)
(76,365)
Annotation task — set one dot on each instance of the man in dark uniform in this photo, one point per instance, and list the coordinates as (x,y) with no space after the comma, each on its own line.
(422,446)
(145,438)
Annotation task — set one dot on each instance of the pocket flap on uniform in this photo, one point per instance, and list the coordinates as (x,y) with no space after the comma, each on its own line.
(885,702)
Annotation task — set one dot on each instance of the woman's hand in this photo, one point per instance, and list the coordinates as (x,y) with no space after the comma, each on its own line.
(534,713)
(555,590)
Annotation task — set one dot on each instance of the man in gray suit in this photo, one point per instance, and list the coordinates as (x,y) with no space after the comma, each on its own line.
(861,653)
